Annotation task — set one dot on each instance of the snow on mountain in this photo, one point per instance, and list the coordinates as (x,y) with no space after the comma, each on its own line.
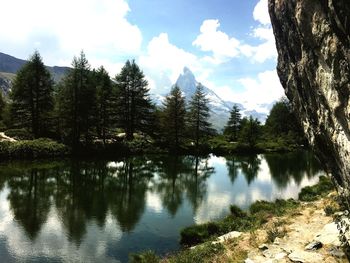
(219,108)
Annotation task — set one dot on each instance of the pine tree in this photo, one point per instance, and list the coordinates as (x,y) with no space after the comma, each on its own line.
(104,102)
(198,116)
(134,107)
(233,124)
(76,102)
(32,97)
(173,117)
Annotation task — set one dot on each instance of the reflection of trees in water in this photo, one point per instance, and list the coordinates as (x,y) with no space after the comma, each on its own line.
(284,167)
(85,191)
(170,187)
(196,181)
(127,193)
(250,166)
(30,198)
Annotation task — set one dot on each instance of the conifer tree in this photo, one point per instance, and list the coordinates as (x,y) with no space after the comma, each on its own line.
(198,117)
(134,107)
(104,102)
(32,97)
(173,117)
(76,101)
(233,124)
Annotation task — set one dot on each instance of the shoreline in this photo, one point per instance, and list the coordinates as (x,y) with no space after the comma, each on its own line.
(305,231)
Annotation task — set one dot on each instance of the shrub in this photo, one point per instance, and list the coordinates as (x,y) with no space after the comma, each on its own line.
(237,212)
(312,193)
(39,148)
(201,254)
(275,231)
(144,257)
(19,134)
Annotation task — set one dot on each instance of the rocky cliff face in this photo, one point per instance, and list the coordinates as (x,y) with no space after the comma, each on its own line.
(313,43)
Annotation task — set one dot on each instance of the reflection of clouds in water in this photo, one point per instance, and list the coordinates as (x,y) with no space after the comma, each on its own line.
(215,160)
(222,193)
(52,241)
(154,202)
(264,174)
(212,207)
(115,164)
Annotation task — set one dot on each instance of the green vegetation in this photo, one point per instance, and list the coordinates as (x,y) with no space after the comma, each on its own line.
(38,148)
(144,257)
(239,220)
(32,98)
(311,193)
(258,214)
(134,107)
(88,111)
(198,116)
(202,254)
(173,118)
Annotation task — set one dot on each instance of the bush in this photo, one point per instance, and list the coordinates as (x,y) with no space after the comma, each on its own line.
(312,193)
(19,134)
(237,212)
(278,208)
(39,148)
(197,234)
(144,257)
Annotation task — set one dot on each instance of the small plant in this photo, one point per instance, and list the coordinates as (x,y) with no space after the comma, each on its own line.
(237,212)
(144,257)
(312,193)
(201,254)
(330,210)
(276,230)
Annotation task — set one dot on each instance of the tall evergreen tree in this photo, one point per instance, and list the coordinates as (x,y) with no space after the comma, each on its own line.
(198,117)
(32,97)
(173,117)
(104,102)
(134,107)
(233,124)
(76,99)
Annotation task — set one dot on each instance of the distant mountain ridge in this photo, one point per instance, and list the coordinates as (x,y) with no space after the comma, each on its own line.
(219,108)
(10,65)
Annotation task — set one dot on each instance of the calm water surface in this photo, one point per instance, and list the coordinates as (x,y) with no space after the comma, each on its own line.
(100,211)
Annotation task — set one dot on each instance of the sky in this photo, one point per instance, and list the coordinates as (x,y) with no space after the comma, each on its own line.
(228,44)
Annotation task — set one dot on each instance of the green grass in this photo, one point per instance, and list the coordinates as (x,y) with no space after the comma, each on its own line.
(202,254)
(312,193)
(144,257)
(239,220)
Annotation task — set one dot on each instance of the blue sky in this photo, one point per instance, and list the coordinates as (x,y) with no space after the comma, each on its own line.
(228,44)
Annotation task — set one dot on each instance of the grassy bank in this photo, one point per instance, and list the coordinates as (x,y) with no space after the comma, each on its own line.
(259,215)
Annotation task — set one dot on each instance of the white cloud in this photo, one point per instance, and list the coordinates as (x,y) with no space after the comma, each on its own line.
(163,62)
(261,12)
(267,49)
(60,29)
(219,43)
(263,89)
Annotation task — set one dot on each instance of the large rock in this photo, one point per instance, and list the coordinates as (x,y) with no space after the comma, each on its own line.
(313,44)
(313,40)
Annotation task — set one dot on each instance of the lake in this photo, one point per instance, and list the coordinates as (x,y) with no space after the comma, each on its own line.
(102,210)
